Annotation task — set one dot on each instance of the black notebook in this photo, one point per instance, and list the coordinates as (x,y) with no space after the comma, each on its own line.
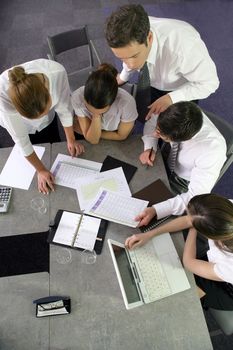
(156,192)
(112,163)
(78,231)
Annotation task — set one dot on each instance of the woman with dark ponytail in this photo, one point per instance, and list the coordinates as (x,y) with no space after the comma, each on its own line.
(102,109)
(209,217)
(32,95)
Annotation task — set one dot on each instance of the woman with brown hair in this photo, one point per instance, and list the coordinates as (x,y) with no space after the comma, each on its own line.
(102,109)
(31,97)
(211,217)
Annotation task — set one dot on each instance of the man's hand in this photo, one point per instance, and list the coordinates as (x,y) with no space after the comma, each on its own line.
(145,159)
(137,240)
(75,148)
(145,217)
(160,105)
(45,181)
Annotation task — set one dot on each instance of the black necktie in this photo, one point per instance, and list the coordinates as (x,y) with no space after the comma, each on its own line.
(143,95)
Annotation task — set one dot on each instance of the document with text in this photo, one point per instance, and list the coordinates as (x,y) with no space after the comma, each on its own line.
(68,170)
(117,208)
(113,180)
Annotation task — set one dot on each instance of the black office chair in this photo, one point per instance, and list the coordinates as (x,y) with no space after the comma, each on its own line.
(76,52)
(224,319)
(226,129)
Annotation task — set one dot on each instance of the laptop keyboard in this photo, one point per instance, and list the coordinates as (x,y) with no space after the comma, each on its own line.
(155,280)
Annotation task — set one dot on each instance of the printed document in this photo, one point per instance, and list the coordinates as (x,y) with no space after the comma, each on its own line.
(78,234)
(18,172)
(117,208)
(68,170)
(113,180)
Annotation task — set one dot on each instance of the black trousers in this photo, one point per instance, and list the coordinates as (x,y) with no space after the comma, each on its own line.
(50,134)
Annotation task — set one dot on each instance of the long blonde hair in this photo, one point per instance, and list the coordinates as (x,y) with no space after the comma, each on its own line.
(28,93)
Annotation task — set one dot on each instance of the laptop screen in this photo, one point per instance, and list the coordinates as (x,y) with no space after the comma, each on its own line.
(124,268)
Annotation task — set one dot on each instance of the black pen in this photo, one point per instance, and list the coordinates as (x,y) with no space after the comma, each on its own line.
(150,154)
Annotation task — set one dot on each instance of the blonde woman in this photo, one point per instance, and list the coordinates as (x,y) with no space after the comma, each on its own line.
(31,97)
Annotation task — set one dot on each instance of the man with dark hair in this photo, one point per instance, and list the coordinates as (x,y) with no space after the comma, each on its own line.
(198,152)
(178,63)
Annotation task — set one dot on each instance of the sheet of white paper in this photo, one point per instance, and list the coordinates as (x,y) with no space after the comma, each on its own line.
(68,170)
(86,235)
(117,208)
(113,180)
(18,172)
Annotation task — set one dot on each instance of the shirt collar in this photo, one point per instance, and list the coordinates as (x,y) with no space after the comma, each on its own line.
(154,49)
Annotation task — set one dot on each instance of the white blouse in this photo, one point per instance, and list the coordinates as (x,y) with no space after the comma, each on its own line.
(122,110)
(18,126)
(223,262)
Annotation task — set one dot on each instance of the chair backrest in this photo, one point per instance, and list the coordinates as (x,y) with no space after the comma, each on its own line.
(224,319)
(73,39)
(226,129)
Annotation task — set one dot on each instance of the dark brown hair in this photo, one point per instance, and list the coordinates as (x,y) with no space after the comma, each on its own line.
(212,216)
(28,93)
(180,121)
(130,23)
(101,86)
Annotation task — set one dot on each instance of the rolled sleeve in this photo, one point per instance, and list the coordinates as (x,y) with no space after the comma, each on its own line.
(149,140)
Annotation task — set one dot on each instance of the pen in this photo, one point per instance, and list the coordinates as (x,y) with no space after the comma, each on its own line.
(150,154)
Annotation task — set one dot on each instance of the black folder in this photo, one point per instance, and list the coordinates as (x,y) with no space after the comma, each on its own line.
(22,254)
(156,192)
(112,163)
(99,242)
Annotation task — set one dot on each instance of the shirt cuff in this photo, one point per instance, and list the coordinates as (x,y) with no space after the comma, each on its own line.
(177,96)
(149,141)
(27,150)
(163,209)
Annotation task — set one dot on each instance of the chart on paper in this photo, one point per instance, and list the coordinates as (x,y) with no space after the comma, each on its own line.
(68,170)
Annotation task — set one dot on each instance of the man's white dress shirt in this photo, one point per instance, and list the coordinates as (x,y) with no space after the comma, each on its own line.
(18,126)
(199,161)
(179,61)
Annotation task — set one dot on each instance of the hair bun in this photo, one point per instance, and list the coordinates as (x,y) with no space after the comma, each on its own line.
(17,75)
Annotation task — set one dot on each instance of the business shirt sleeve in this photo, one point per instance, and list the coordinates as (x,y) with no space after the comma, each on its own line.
(199,71)
(63,107)
(203,178)
(149,140)
(14,125)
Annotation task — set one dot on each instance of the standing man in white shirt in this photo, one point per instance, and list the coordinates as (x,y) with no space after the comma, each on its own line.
(199,157)
(180,68)
(30,94)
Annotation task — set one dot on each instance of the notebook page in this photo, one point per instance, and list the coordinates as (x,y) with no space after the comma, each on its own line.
(67,229)
(87,233)
(117,208)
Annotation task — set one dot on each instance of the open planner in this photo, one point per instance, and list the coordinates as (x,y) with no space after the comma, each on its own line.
(78,231)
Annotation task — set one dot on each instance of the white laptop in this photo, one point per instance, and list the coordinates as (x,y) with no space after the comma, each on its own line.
(150,272)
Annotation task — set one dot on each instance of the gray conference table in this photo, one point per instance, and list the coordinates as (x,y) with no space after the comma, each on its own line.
(99,320)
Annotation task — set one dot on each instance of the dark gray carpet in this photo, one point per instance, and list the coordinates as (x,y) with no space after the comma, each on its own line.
(25,24)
